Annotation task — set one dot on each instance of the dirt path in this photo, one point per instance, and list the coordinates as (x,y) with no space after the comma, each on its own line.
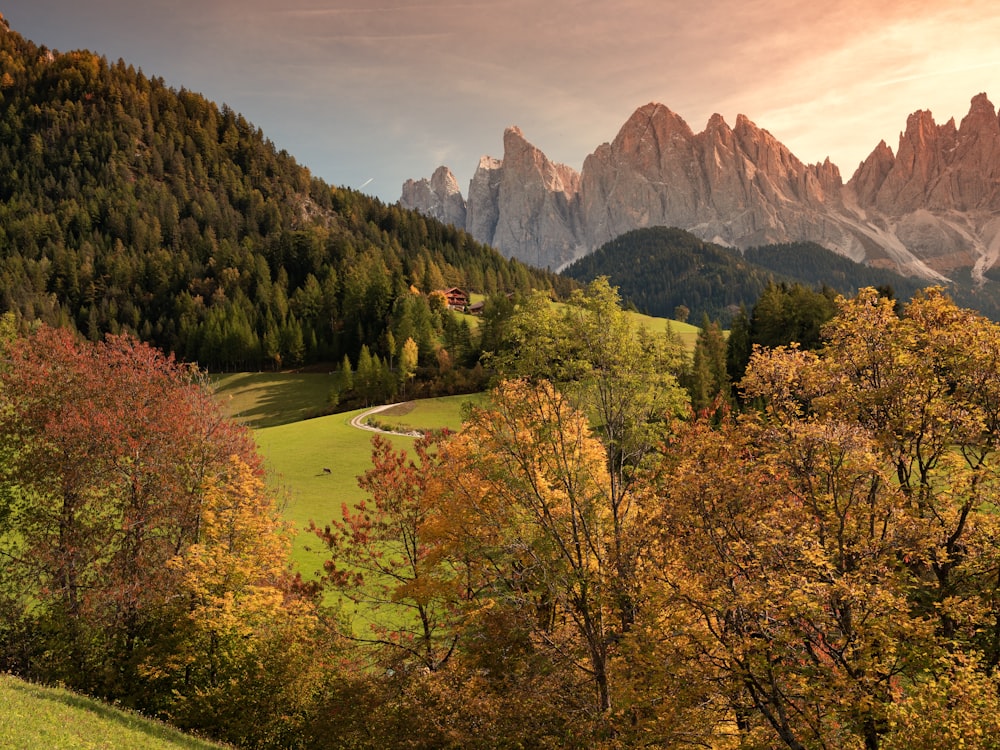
(359,422)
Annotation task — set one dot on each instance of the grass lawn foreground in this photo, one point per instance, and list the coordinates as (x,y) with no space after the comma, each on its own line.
(38,717)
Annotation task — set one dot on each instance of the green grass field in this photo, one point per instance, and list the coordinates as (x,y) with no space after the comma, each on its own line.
(686,332)
(266,399)
(428,414)
(297,454)
(35,717)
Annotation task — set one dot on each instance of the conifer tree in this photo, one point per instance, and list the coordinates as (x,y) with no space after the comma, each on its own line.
(407,363)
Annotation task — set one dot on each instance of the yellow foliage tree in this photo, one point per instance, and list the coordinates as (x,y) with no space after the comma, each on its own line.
(247,640)
(831,561)
(525,507)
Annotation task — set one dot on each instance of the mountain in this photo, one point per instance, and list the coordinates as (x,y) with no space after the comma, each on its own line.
(440,197)
(659,268)
(127,205)
(928,210)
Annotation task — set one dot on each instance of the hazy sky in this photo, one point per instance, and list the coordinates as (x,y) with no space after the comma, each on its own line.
(367,93)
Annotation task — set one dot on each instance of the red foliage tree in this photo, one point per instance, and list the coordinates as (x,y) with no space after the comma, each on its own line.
(106,449)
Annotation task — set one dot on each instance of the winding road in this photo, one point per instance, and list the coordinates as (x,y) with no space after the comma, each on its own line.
(359,422)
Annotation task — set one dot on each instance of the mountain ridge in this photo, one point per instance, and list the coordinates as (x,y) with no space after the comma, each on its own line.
(929,209)
(657,269)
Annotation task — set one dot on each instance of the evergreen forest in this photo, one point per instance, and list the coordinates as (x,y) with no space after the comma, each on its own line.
(662,268)
(128,206)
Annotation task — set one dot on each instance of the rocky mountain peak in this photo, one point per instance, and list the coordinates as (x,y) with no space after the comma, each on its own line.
(980,125)
(929,208)
(657,118)
(940,168)
(524,163)
(980,109)
(514,140)
(649,132)
(440,197)
(871,173)
(718,132)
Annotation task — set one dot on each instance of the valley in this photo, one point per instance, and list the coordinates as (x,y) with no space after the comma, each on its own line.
(293,468)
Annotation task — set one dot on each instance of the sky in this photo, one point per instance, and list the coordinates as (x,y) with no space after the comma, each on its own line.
(368,93)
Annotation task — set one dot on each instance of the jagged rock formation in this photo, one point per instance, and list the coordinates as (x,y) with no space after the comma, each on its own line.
(440,197)
(731,186)
(931,210)
(940,195)
(484,200)
(535,214)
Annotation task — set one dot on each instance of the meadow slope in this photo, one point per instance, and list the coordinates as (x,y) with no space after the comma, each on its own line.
(40,717)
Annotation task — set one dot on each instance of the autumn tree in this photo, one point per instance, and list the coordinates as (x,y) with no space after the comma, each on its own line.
(113,442)
(408,354)
(118,465)
(247,635)
(622,377)
(525,511)
(838,547)
(456,662)
(381,559)
(924,385)
(783,545)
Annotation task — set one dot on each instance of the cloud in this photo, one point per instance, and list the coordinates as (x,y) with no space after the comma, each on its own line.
(360,92)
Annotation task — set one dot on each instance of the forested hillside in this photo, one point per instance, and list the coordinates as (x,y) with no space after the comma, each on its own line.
(130,206)
(661,268)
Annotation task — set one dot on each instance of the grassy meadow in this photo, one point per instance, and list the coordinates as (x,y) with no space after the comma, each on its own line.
(297,454)
(298,451)
(427,414)
(37,717)
(265,399)
(686,332)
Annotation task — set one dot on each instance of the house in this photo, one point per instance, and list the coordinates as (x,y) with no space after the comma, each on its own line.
(457,299)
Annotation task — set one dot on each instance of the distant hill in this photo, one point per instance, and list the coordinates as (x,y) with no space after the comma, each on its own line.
(38,717)
(128,205)
(661,268)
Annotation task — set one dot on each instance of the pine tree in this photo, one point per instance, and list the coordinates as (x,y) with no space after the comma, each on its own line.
(368,379)
(345,375)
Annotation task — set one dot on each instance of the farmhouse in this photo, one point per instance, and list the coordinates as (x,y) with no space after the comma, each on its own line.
(457,299)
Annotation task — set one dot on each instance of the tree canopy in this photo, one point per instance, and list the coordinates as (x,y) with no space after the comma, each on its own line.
(143,558)
(818,570)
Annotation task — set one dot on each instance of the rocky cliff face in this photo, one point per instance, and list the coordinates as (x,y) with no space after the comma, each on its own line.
(938,197)
(440,197)
(536,215)
(931,209)
(734,186)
